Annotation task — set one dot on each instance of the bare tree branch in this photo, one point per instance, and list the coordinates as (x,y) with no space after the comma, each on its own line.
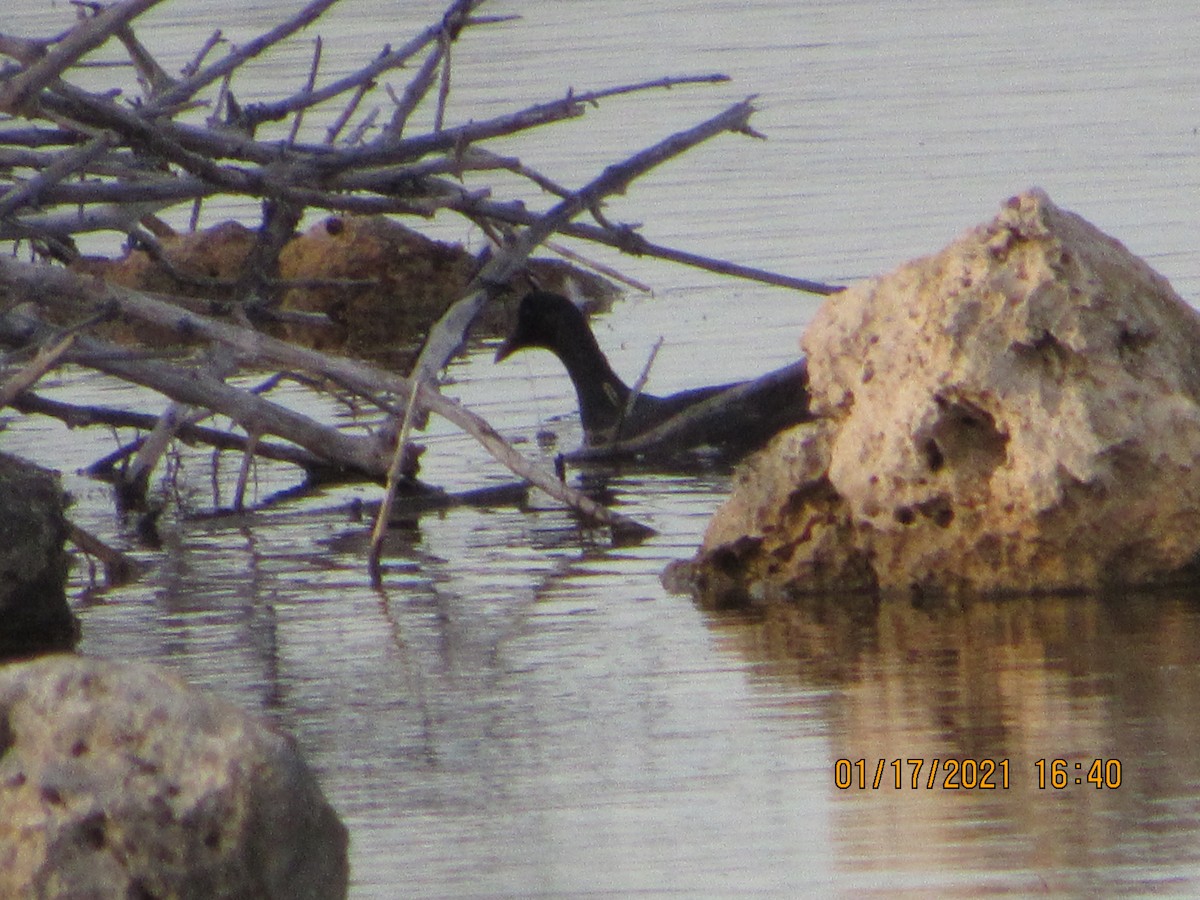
(185,90)
(17,91)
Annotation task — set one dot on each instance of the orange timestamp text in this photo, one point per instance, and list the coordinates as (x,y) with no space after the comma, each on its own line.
(948,774)
(971,774)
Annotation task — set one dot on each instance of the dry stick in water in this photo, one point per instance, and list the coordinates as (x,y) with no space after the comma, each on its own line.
(196,150)
(134,481)
(61,289)
(46,359)
(197,388)
(636,390)
(239,494)
(76,416)
(118,567)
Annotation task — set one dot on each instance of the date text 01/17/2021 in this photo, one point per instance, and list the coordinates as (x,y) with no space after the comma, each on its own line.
(971,774)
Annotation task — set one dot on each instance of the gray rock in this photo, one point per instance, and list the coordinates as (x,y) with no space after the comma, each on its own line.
(1019,412)
(119,780)
(34,615)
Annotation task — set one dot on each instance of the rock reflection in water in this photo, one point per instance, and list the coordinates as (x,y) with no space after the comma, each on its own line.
(1022,680)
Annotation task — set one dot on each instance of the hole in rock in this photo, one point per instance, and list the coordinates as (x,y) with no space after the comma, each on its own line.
(964,439)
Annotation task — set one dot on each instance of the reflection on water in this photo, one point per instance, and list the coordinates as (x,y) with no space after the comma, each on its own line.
(523,711)
(1029,682)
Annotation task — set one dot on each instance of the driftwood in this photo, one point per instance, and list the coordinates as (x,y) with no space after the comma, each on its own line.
(87,160)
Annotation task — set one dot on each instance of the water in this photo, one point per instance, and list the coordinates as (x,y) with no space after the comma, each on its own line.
(523,711)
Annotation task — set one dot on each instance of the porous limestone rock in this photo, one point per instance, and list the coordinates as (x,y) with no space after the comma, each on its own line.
(1018,412)
(386,283)
(119,780)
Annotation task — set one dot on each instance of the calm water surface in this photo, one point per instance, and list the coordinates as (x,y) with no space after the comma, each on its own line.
(523,711)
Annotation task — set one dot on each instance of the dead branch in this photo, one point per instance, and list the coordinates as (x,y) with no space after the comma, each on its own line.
(46,359)
(21,88)
(418,87)
(93,160)
(266,112)
(185,90)
(153,76)
(197,388)
(63,290)
(135,481)
(75,416)
(119,568)
(633,243)
(60,168)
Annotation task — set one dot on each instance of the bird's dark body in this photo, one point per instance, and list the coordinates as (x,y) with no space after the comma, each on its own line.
(554,323)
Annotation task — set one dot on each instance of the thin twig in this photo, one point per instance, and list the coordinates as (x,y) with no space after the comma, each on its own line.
(439,116)
(631,242)
(416,91)
(394,474)
(45,360)
(607,271)
(152,74)
(332,132)
(61,168)
(239,494)
(636,390)
(194,66)
(308,86)
(185,90)
(119,568)
(267,112)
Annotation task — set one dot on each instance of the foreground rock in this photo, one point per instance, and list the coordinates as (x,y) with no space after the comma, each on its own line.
(117,780)
(1016,413)
(34,615)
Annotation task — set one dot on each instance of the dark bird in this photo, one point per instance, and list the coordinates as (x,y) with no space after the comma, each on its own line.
(759,409)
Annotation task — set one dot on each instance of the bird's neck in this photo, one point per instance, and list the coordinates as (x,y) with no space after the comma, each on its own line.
(601,393)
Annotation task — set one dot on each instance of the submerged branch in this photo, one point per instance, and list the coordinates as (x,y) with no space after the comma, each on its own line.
(76,416)
(62,290)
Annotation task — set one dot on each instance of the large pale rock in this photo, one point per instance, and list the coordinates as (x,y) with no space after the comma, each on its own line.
(119,780)
(1018,412)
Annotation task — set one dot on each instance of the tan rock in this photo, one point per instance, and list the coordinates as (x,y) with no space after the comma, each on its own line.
(379,284)
(119,780)
(1017,412)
